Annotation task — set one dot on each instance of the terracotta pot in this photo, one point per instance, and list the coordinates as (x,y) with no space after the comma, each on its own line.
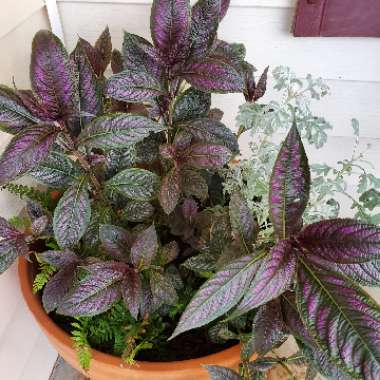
(107,367)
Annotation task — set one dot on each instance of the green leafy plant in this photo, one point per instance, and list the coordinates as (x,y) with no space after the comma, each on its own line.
(154,238)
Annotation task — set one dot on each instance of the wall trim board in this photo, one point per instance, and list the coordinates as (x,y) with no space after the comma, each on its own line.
(234,3)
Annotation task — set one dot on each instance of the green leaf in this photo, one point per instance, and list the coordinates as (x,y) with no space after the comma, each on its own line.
(117,131)
(72,215)
(136,211)
(134,183)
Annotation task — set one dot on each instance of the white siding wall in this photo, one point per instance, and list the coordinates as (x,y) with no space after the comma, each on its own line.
(350,66)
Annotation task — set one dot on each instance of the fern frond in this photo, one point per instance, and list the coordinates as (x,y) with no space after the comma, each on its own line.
(80,343)
(45,272)
(23,191)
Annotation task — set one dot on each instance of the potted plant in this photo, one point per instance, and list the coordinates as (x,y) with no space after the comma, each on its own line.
(139,253)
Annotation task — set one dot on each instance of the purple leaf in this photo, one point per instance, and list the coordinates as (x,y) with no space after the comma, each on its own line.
(58,287)
(115,241)
(72,215)
(134,183)
(117,131)
(289,186)
(97,292)
(222,373)
(145,247)
(170,191)
(33,104)
(203,156)
(146,301)
(60,259)
(51,75)
(92,55)
(243,224)
(205,17)
(27,149)
(367,274)
(344,241)
(268,328)
(131,290)
(40,225)
(261,86)
(133,86)
(343,319)
(170,27)
(193,184)
(211,75)
(213,132)
(273,278)
(12,245)
(140,55)
(163,289)
(136,211)
(189,208)
(14,116)
(103,47)
(225,4)
(219,294)
(90,89)
(117,64)
(191,104)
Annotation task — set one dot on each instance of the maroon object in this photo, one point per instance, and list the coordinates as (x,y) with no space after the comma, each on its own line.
(337,18)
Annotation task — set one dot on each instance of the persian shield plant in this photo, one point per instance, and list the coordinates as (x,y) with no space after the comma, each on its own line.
(141,249)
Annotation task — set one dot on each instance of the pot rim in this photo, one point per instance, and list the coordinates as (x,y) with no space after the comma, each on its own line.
(34,304)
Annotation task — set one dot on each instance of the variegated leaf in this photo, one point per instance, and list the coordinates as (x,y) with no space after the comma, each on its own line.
(26,150)
(204,156)
(60,259)
(170,27)
(136,211)
(72,215)
(14,116)
(96,292)
(12,245)
(191,104)
(134,183)
(342,241)
(58,287)
(205,17)
(213,132)
(140,55)
(117,62)
(212,75)
(244,227)
(163,290)
(289,186)
(276,274)
(219,294)
(57,170)
(170,191)
(221,373)
(193,184)
(115,241)
(145,247)
(117,131)
(268,328)
(90,88)
(103,47)
(344,320)
(133,86)
(51,75)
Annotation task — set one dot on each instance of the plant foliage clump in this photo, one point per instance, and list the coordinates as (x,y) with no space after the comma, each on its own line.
(148,240)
